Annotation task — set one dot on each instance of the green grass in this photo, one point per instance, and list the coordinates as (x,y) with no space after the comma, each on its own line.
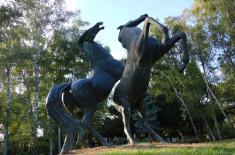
(175,151)
(226,147)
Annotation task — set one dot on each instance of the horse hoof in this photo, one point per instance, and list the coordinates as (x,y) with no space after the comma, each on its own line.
(132,143)
(109,145)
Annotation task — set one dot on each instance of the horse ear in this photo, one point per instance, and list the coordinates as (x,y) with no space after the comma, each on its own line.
(120,27)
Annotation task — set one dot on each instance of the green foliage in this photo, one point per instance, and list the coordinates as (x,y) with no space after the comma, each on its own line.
(211,50)
(8,15)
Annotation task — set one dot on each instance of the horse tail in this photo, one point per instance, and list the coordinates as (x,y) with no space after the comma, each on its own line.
(56,109)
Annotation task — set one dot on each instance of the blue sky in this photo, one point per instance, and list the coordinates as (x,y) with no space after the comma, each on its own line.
(114,13)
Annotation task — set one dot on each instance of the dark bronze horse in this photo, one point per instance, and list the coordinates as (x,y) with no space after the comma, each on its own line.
(143,51)
(86,93)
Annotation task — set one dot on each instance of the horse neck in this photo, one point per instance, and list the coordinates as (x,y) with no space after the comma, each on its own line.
(97,55)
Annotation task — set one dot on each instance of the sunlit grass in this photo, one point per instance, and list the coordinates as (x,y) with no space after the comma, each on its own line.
(226,147)
(175,151)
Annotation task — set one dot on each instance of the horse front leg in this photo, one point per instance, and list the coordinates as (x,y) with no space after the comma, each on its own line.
(171,42)
(167,42)
(88,113)
(135,22)
(164,29)
(143,39)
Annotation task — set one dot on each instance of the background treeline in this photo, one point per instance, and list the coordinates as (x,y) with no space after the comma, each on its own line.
(38,48)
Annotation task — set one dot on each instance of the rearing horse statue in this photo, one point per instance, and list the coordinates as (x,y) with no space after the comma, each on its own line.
(143,51)
(86,93)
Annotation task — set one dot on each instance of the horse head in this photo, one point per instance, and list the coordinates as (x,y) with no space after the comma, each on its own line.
(87,39)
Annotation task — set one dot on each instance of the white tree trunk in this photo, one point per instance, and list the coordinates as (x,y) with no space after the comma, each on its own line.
(186,108)
(50,135)
(181,135)
(7,112)
(208,128)
(59,139)
(217,127)
(216,100)
(37,91)
(36,104)
(210,92)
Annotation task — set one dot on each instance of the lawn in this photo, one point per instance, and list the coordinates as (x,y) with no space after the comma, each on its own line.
(225,147)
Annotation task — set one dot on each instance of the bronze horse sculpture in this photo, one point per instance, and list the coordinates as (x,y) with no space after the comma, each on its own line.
(86,93)
(143,51)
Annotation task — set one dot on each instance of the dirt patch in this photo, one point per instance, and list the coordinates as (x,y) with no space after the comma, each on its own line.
(89,151)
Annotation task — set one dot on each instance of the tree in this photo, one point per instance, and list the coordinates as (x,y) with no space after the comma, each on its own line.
(31,42)
(9,44)
(42,18)
(213,45)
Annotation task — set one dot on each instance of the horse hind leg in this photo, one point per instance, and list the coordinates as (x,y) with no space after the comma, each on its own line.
(70,104)
(123,106)
(142,113)
(88,113)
